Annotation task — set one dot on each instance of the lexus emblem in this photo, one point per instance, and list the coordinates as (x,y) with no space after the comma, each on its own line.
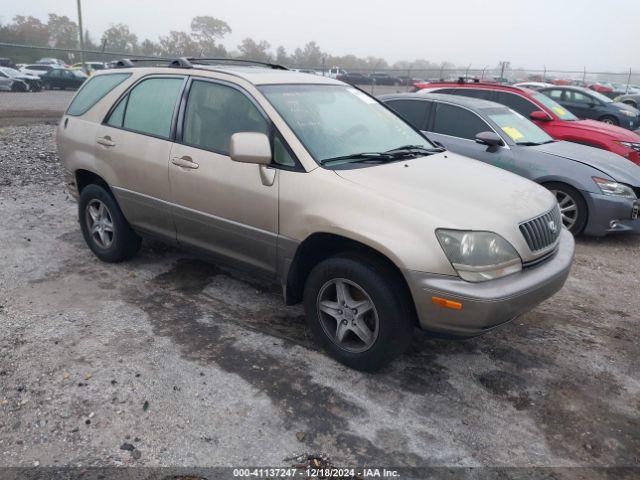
(552,226)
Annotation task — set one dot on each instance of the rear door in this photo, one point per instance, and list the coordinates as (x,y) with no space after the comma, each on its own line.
(456,128)
(135,141)
(226,208)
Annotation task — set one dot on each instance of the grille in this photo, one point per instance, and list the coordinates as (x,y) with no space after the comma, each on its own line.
(539,233)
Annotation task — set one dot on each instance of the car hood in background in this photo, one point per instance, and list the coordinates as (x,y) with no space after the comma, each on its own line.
(456,191)
(617,167)
(618,133)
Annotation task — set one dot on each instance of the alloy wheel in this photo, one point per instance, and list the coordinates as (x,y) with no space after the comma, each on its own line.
(568,208)
(100,223)
(347,315)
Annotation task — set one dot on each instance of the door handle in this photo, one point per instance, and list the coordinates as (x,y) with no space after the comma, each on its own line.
(185,162)
(106,141)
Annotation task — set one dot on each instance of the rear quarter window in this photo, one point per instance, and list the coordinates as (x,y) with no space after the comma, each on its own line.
(93,90)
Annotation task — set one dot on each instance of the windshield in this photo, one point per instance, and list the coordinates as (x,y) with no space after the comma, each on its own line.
(599,96)
(10,72)
(558,110)
(335,121)
(518,128)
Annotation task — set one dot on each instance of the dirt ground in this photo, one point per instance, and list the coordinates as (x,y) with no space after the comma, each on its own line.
(184,363)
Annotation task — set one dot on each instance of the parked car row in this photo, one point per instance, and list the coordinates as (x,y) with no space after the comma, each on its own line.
(596,190)
(15,81)
(556,120)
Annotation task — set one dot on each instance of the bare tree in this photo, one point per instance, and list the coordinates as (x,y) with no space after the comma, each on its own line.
(251,50)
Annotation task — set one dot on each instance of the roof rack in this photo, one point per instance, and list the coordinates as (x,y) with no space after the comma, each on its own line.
(192,62)
(238,61)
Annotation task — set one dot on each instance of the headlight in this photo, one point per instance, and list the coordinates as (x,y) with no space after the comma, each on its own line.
(479,256)
(632,145)
(628,113)
(609,187)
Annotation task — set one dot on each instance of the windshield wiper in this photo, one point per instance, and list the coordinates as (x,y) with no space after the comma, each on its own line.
(359,156)
(533,144)
(414,149)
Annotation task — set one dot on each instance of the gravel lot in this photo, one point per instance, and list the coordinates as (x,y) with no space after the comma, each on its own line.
(195,365)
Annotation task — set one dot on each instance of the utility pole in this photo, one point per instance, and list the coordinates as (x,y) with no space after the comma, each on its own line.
(81,35)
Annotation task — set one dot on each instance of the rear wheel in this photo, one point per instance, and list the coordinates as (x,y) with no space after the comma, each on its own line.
(358,311)
(609,120)
(106,231)
(573,207)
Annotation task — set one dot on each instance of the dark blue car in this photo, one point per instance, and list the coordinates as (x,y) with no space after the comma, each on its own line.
(585,103)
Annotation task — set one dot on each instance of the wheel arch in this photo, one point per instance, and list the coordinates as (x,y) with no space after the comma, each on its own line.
(86,177)
(322,245)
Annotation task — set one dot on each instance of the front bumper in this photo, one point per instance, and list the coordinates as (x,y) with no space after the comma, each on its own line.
(489,304)
(608,214)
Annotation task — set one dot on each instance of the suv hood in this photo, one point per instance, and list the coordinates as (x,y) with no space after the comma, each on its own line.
(618,133)
(457,192)
(618,168)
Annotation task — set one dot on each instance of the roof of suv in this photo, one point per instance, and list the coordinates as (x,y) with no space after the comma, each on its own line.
(254,74)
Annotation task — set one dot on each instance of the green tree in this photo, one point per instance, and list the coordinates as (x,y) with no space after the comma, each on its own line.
(63,32)
(120,39)
(150,48)
(308,57)
(281,56)
(252,50)
(179,44)
(206,31)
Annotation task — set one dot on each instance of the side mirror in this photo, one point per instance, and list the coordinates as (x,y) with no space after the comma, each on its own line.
(539,116)
(250,147)
(490,139)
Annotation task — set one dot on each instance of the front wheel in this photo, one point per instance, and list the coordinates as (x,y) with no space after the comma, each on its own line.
(609,120)
(573,207)
(106,231)
(358,310)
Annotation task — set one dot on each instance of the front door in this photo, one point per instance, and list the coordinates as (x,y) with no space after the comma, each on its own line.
(135,143)
(226,208)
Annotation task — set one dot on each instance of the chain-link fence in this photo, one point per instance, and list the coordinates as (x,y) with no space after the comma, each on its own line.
(375,79)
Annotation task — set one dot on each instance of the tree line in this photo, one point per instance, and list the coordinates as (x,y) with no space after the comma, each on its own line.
(204,39)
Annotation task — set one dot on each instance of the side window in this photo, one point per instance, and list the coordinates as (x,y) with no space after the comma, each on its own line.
(412,111)
(93,90)
(515,102)
(579,97)
(149,107)
(281,155)
(117,115)
(556,94)
(458,122)
(215,112)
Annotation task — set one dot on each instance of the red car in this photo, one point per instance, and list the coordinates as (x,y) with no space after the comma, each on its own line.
(548,115)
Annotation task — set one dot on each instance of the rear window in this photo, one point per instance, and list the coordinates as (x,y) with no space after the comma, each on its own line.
(93,90)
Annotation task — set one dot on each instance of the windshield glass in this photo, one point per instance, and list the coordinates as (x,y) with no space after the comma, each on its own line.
(336,121)
(518,128)
(10,72)
(599,96)
(557,109)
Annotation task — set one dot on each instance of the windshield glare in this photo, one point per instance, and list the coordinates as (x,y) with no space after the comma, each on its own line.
(10,72)
(557,109)
(335,121)
(518,128)
(599,96)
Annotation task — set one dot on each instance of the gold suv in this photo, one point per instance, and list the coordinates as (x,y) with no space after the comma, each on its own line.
(320,187)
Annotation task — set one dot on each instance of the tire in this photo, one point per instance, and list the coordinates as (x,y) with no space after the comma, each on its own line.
(608,119)
(18,87)
(562,192)
(113,240)
(390,318)
(46,86)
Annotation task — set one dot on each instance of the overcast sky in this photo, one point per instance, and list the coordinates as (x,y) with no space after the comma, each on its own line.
(567,34)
